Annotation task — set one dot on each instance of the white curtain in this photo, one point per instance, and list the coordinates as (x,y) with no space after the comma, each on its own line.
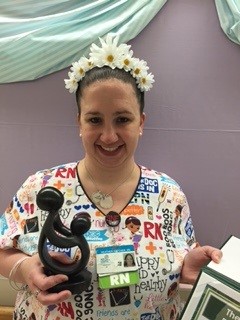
(229,17)
(41,37)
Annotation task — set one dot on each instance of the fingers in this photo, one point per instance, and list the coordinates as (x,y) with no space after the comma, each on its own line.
(216,255)
(41,284)
(46,298)
(63,258)
(212,253)
(50,281)
(36,293)
(44,282)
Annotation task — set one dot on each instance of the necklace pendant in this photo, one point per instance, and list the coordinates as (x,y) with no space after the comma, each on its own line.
(96,197)
(106,202)
(113,219)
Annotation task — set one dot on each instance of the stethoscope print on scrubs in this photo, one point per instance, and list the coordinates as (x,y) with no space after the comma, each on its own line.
(171,259)
(78,193)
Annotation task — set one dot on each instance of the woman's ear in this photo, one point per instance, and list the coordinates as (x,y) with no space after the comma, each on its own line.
(142,120)
(79,124)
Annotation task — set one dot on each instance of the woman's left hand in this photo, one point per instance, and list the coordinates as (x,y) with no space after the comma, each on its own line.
(196,259)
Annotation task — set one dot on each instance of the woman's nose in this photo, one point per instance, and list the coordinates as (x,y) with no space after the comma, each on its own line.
(109,135)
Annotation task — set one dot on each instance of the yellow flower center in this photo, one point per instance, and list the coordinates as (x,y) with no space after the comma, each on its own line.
(126,62)
(137,70)
(110,58)
(143,80)
(81,71)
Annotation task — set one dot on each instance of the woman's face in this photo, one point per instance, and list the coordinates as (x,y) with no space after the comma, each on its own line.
(110,123)
(129,260)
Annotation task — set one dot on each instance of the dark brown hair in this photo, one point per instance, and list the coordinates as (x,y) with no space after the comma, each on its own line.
(105,73)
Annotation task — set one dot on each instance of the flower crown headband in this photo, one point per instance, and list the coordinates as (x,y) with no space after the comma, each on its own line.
(114,56)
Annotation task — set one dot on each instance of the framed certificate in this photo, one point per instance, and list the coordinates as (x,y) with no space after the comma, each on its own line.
(216,293)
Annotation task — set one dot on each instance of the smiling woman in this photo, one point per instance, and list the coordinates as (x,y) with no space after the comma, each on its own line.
(121,197)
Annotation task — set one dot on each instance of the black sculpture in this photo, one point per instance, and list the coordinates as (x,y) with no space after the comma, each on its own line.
(79,278)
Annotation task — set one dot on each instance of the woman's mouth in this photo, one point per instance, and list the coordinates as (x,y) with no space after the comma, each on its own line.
(109,150)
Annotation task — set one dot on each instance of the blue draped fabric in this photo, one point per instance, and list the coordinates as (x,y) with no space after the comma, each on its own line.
(40,37)
(229,17)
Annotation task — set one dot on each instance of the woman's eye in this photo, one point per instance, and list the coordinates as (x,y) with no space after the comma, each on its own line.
(122,120)
(95,120)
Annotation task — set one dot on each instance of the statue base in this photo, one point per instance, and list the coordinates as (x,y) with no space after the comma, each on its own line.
(76,284)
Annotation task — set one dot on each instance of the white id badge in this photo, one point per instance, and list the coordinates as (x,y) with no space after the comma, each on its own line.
(116,266)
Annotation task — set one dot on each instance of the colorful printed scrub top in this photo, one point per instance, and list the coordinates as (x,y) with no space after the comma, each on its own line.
(156,223)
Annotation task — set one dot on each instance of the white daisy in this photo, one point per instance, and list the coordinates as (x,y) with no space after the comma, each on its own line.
(71,84)
(126,61)
(139,67)
(80,67)
(112,41)
(109,54)
(145,81)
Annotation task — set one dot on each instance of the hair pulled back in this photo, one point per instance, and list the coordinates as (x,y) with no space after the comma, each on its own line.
(106,73)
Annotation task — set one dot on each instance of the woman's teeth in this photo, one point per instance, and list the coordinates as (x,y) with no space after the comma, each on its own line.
(109,149)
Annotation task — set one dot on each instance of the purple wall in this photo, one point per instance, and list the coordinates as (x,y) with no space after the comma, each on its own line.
(193,117)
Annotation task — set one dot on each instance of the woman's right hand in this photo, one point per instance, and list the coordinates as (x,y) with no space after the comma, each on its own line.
(33,274)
